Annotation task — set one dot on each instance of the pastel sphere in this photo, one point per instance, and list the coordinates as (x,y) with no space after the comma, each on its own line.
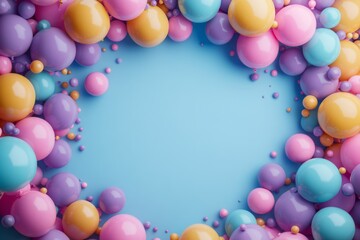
(87,54)
(44,84)
(112,200)
(60,154)
(350,17)
(199,11)
(199,232)
(348,153)
(125,10)
(96,84)
(330,17)
(290,236)
(180,28)
(250,231)
(237,218)
(292,61)
(260,200)
(219,30)
(43,2)
(299,148)
(117,31)
(54,235)
(271,176)
(5,65)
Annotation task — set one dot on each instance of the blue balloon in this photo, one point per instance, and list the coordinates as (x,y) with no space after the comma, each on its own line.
(44,84)
(199,11)
(318,180)
(323,48)
(17,164)
(330,17)
(237,218)
(333,223)
(309,123)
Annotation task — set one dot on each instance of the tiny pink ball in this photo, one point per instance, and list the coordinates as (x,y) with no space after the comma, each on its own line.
(223,213)
(299,148)
(260,200)
(62,133)
(117,31)
(312,4)
(355,84)
(96,84)
(5,65)
(180,28)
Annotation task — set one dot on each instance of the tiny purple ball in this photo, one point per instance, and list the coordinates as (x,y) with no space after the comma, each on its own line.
(38,109)
(348,189)
(74,82)
(8,221)
(334,73)
(317,131)
(345,86)
(341,34)
(319,152)
(147,225)
(112,200)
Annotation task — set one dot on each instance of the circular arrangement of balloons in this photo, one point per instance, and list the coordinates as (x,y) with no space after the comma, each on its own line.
(316,40)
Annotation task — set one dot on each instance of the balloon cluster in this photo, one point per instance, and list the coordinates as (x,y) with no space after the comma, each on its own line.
(317,40)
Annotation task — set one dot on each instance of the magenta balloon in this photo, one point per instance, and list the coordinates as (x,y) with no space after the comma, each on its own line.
(249,232)
(59,156)
(53,48)
(87,54)
(15,35)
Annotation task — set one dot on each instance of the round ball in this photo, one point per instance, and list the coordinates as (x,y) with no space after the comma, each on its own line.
(112,200)
(271,176)
(199,11)
(260,200)
(96,84)
(199,232)
(299,148)
(237,218)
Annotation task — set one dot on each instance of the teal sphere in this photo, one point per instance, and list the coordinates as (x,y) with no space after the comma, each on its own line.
(44,85)
(237,218)
(199,11)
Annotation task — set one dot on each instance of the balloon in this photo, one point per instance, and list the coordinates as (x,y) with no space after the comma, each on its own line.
(271,176)
(86,21)
(355,179)
(34,214)
(16,35)
(296,25)
(257,52)
(199,232)
(60,111)
(53,13)
(225,5)
(323,48)
(251,17)
(5,65)
(43,83)
(350,17)
(87,54)
(237,218)
(37,178)
(309,123)
(355,212)
(332,224)
(355,84)
(80,220)
(44,2)
(250,232)
(125,9)
(292,61)
(219,30)
(330,17)
(333,118)
(7,7)
(320,5)
(335,156)
(199,11)
(117,31)
(112,200)
(96,84)
(20,63)
(318,180)
(290,236)
(348,60)
(59,156)
(54,235)
(299,148)
(150,28)
(123,226)
(180,28)
(348,153)
(26,9)
(14,176)
(63,188)
(53,48)
(260,201)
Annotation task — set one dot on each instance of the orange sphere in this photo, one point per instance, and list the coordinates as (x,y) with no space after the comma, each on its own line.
(36,66)
(350,15)
(199,232)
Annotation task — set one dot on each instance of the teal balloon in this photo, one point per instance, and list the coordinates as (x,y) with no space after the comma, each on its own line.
(330,17)
(17,164)
(332,223)
(323,48)
(237,218)
(199,11)
(318,180)
(309,123)
(44,85)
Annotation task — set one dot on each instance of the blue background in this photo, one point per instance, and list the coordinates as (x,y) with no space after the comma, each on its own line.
(182,130)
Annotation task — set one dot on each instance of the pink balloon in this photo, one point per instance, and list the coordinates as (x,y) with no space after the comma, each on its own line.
(34,214)
(62,133)
(5,65)
(117,31)
(123,226)
(349,153)
(260,200)
(355,84)
(332,154)
(272,232)
(299,148)
(96,84)
(44,2)
(290,236)
(125,9)
(258,52)
(296,25)
(38,134)
(180,28)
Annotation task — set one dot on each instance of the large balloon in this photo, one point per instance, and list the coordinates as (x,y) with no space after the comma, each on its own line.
(60,155)
(125,9)
(53,235)
(251,17)
(199,232)
(350,17)
(17,97)
(199,11)
(237,218)
(44,84)
(349,153)
(250,232)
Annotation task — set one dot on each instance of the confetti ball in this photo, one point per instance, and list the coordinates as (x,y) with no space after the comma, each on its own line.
(96,84)
(199,232)
(59,156)
(112,200)
(299,148)
(271,176)
(199,11)
(237,218)
(260,200)
(250,231)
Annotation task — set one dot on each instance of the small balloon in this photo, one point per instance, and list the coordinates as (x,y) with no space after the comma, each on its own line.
(260,201)
(59,156)
(125,10)
(96,84)
(5,65)
(292,61)
(250,231)
(271,176)
(26,9)
(117,31)
(330,17)
(219,30)
(112,200)
(237,218)
(180,28)
(199,11)
(299,148)
(54,13)
(54,235)
(87,54)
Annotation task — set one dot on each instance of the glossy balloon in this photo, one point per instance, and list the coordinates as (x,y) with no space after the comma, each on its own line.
(219,30)
(60,154)
(199,11)
(180,28)
(330,17)
(87,54)
(54,235)
(271,176)
(199,232)
(117,31)
(43,83)
(237,218)
(53,13)
(125,9)
(348,153)
(350,17)
(249,232)
(292,61)
(112,200)
(299,148)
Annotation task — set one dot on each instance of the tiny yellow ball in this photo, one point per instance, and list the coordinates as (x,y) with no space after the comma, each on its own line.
(295,229)
(310,102)
(174,236)
(71,136)
(326,140)
(260,222)
(342,170)
(43,190)
(36,66)
(305,113)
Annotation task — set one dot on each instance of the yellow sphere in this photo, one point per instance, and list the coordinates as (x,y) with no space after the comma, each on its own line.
(80,220)
(17,97)
(339,115)
(199,232)
(86,21)
(350,15)
(310,102)
(150,28)
(36,66)
(251,17)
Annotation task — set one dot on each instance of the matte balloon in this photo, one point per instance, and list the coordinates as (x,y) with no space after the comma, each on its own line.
(59,156)
(180,28)
(219,30)
(54,235)
(44,84)
(199,11)
(350,17)
(112,200)
(53,13)
(237,218)
(271,176)
(125,9)
(87,54)
(199,232)
(117,31)
(292,61)
(250,232)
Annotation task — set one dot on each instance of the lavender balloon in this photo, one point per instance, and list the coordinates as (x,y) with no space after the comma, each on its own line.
(26,9)
(112,200)
(250,232)
(355,179)
(63,188)
(171,4)
(355,213)
(7,7)
(54,235)
(300,2)
(292,61)
(292,210)
(15,35)
(321,4)
(225,5)
(272,176)
(53,48)
(219,30)
(60,111)
(59,156)
(20,63)
(87,54)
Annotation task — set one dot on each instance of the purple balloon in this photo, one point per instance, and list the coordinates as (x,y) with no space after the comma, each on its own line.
(59,156)
(292,61)
(53,48)
(278,3)
(60,111)
(300,2)
(321,4)
(16,35)
(292,210)
(314,81)
(26,9)
(250,232)
(317,17)
(219,30)
(63,188)
(355,179)
(355,213)
(171,4)
(225,5)
(272,176)
(7,7)
(20,64)
(112,200)
(54,235)
(87,54)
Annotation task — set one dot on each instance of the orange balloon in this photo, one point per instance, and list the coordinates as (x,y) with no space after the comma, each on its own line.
(348,60)
(199,232)
(17,97)
(150,28)
(80,220)
(350,15)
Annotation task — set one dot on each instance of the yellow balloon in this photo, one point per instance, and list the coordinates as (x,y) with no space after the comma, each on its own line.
(17,97)
(80,220)
(150,28)
(339,115)
(348,60)
(199,232)
(86,21)
(251,17)
(350,15)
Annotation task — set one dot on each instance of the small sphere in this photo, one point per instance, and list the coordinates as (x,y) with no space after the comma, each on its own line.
(174,236)
(36,66)
(8,221)
(223,213)
(295,229)
(260,200)
(348,189)
(96,84)
(310,102)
